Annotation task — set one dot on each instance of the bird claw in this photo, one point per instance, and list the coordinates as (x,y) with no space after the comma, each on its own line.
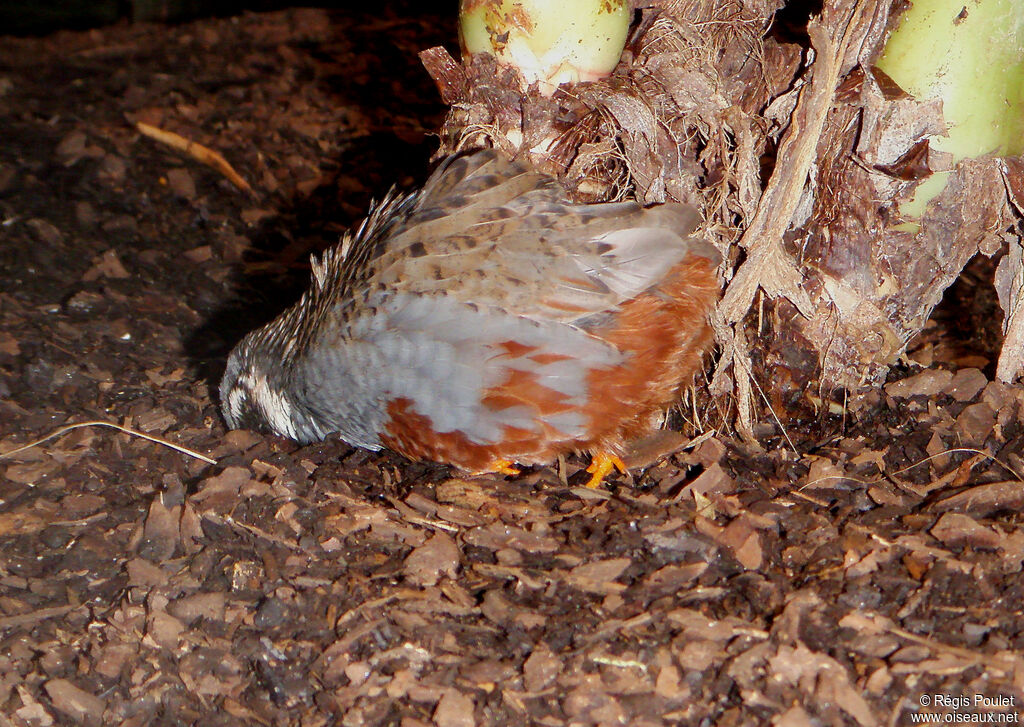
(501,467)
(601,464)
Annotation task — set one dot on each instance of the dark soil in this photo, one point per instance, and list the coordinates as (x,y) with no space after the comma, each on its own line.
(859,574)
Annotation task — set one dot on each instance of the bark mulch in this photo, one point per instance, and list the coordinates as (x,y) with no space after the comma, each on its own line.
(863,573)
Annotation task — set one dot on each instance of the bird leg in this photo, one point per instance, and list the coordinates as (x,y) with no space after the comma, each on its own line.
(600,465)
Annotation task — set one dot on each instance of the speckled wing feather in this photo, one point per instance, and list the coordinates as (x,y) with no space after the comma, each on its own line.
(495,232)
(490,231)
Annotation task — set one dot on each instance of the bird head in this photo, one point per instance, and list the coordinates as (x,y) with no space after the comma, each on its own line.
(254,393)
(248,400)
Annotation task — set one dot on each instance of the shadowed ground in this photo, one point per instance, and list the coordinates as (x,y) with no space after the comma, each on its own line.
(835,584)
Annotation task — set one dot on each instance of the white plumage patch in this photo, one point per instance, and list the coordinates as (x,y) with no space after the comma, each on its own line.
(273,405)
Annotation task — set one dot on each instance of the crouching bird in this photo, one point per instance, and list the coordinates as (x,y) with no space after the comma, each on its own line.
(486,320)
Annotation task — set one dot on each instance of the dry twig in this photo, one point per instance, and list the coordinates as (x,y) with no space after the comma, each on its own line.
(197,151)
(99,423)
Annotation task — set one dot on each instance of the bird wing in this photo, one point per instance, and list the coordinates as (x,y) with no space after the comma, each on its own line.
(492,232)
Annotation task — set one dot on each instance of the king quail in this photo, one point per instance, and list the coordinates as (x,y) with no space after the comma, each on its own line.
(486,320)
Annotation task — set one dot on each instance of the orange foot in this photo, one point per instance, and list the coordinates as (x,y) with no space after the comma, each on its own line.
(600,465)
(502,467)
